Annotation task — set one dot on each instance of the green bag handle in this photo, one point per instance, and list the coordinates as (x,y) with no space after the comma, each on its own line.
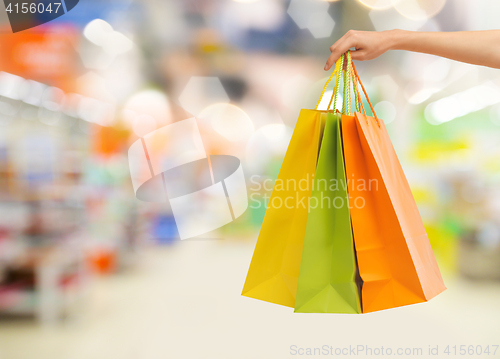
(336,90)
(337,73)
(357,96)
(349,76)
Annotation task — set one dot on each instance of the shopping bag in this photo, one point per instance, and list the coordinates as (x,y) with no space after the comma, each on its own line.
(274,268)
(395,258)
(327,278)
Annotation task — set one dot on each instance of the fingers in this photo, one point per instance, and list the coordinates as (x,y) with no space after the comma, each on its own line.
(337,50)
(341,46)
(359,55)
(331,60)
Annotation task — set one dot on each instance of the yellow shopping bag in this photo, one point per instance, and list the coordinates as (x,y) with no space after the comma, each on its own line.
(274,269)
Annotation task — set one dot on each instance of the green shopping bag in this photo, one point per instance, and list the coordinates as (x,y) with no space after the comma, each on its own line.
(328,273)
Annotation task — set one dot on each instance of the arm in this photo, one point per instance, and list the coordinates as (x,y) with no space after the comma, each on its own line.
(473,47)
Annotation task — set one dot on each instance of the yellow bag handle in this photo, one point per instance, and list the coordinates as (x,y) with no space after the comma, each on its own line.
(338,66)
(350,74)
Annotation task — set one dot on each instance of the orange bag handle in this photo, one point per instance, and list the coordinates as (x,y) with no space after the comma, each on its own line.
(359,105)
(350,73)
(355,72)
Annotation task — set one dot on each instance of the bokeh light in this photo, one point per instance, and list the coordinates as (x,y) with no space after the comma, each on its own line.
(462,103)
(377,4)
(229,121)
(102,34)
(419,9)
(97,31)
(143,124)
(389,19)
(312,15)
(201,92)
(386,111)
(262,15)
(147,110)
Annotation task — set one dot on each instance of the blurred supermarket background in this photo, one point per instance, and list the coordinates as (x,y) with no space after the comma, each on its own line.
(89,271)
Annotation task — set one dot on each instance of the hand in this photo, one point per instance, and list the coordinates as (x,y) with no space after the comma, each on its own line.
(368,45)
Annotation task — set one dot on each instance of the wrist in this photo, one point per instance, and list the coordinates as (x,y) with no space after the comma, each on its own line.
(395,39)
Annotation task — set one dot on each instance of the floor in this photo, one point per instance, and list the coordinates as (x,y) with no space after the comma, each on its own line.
(184,302)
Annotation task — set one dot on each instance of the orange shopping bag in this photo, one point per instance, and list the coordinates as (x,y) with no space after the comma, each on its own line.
(395,258)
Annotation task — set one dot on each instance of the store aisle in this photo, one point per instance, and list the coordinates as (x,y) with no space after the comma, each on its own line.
(184,302)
